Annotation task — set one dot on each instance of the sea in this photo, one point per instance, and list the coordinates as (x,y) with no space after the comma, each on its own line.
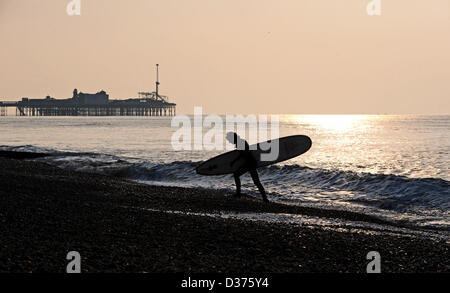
(395,167)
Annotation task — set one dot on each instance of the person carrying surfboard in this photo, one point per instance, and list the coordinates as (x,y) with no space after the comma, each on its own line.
(249,165)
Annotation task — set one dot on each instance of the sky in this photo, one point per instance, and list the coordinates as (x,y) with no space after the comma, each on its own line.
(234,56)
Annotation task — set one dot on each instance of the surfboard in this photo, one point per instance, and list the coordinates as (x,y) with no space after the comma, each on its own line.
(289,147)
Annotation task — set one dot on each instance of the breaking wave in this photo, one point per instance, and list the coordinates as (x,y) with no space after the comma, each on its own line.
(287,183)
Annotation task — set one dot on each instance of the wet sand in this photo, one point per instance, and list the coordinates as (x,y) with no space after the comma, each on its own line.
(45,212)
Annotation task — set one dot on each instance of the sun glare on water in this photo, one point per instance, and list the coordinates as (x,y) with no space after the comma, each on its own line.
(340,123)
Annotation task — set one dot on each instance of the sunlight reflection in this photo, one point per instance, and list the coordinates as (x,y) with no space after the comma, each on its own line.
(340,123)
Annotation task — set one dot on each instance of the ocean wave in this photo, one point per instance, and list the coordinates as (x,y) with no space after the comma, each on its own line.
(386,191)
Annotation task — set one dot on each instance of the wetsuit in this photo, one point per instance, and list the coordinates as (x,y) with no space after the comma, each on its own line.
(249,166)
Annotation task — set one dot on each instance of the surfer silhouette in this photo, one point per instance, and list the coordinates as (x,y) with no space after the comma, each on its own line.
(249,165)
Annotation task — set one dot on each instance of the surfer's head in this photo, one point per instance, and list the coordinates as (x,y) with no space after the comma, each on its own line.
(233,137)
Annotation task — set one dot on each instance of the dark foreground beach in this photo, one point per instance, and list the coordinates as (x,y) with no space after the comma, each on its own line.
(121,226)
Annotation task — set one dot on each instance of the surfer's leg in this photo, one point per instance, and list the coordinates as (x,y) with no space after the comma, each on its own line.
(258,184)
(237,179)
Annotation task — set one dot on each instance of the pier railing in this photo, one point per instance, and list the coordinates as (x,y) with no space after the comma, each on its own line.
(113,108)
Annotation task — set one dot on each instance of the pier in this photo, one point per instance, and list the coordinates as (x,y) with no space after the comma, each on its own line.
(99,104)
(53,107)
(3,109)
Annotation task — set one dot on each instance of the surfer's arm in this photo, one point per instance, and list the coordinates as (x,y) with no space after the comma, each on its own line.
(247,148)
